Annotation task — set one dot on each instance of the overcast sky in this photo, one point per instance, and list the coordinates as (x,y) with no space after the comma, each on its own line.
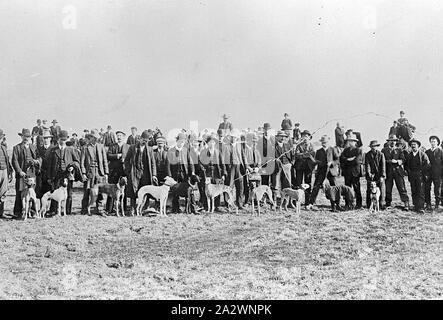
(167,62)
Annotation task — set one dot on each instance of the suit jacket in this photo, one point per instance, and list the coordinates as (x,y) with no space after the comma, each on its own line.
(55,131)
(113,151)
(161,162)
(395,154)
(133,140)
(304,154)
(436,160)
(212,165)
(339,137)
(19,161)
(134,173)
(8,163)
(375,165)
(180,161)
(351,168)
(55,157)
(424,163)
(333,157)
(44,155)
(109,139)
(102,160)
(284,153)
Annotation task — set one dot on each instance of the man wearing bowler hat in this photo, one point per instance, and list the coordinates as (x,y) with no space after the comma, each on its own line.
(5,173)
(55,131)
(64,162)
(435,155)
(350,162)
(417,166)
(395,159)
(94,167)
(375,168)
(26,162)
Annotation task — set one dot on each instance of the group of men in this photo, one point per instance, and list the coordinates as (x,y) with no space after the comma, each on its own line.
(284,160)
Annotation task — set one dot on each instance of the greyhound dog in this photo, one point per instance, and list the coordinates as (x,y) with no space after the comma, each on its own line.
(159,193)
(291,195)
(375,197)
(59,195)
(214,190)
(28,196)
(115,191)
(258,192)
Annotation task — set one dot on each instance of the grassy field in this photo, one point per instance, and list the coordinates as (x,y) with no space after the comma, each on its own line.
(314,255)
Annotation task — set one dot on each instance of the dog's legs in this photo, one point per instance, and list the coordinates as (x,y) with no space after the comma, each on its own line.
(37,208)
(213,204)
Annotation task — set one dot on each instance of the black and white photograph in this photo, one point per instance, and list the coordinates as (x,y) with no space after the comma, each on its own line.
(215,150)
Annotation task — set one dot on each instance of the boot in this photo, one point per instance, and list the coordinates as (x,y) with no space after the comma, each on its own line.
(406,206)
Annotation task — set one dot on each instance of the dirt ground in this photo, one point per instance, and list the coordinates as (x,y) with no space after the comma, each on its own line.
(314,255)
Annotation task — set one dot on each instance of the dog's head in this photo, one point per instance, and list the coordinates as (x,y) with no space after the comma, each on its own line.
(373,186)
(123,181)
(252,185)
(194,179)
(169,181)
(64,182)
(30,182)
(208,180)
(305,186)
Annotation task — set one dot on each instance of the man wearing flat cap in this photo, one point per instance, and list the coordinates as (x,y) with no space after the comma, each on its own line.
(350,163)
(395,159)
(375,168)
(5,172)
(26,163)
(140,168)
(304,163)
(94,167)
(435,155)
(64,162)
(417,166)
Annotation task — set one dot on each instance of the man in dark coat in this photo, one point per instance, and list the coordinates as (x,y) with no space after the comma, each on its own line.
(26,162)
(133,137)
(55,130)
(94,167)
(304,163)
(286,124)
(36,131)
(140,168)
(339,136)
(116,155)
(161,159)
(179,160)
(226,126)
(417,166)
(350,163)
(435,155)
(44,150)
(64,162)
(328,166)
(5,173)
(109,137)
(395,159)
(375,168)
(266,147)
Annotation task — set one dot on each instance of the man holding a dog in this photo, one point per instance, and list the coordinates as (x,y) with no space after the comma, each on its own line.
(94,167)
(63,163)
(375,168)
(140,168)
(435,155)
(26,163)
(5,173)
(350,162)
(417,166)
(328,166)
(395,159)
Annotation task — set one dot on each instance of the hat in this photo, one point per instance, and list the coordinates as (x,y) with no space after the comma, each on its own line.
(285,115)
(181,136)
(297,124)
(94,134)
(352,137)
(374,143)
(281,133)
(119,131)
(435,137)
(145,134)
(47,133)
(109,127)
(25,133)
(54,121)
(324,138)
(267,126)
(133,128)
(414,140)
(63,135)
(2,134)
(402,112)
(225,116)
(306,132)
(392,137)
(160,139)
